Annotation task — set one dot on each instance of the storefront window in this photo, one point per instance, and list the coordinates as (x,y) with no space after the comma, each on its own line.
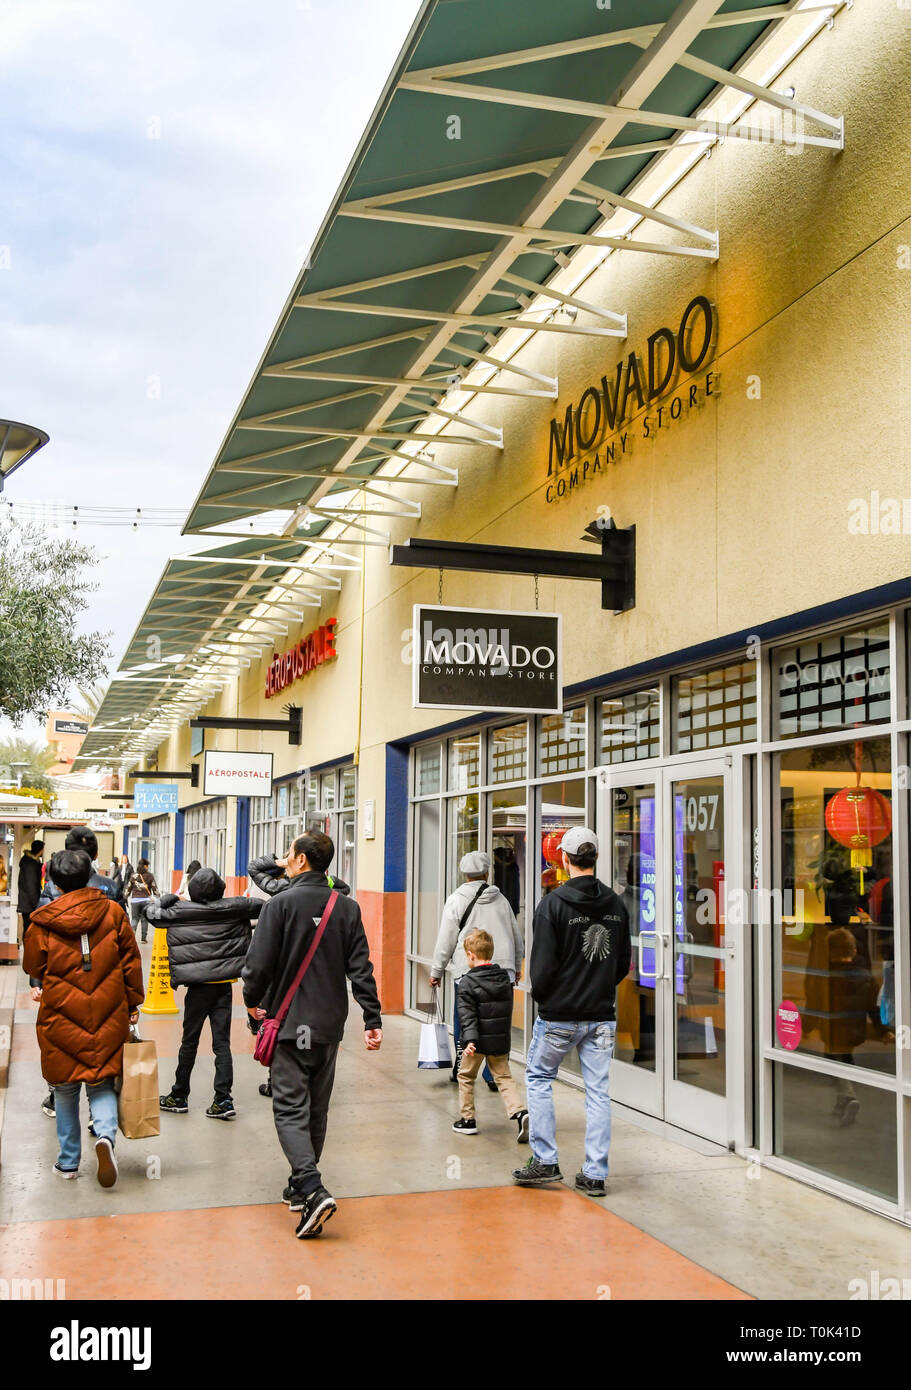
(464,762)
(349,787)
(630,726)
(205,835)
(427,905)
(428,770)
(837,682)
(508,753)
(561,742)
(714,708)
(837,1127)
(327,791)
(463,834)
(562,805)
(508,838)
(835,979)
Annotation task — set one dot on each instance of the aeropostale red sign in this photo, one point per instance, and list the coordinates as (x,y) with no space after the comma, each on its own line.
(312,651)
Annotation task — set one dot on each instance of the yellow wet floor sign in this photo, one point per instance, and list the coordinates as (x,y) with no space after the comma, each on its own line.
(159,995)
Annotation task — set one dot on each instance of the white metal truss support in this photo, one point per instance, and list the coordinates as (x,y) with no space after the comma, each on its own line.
(535,101)
(547,235)
(435,385)
(550,382)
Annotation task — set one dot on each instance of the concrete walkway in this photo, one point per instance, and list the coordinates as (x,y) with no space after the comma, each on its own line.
(423,1212)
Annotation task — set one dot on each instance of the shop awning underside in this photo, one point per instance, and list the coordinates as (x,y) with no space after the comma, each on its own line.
(517,144)
(511,134)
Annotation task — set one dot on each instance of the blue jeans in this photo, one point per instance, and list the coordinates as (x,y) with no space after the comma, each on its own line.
(103,1110)
(457,1031)
(550,1043)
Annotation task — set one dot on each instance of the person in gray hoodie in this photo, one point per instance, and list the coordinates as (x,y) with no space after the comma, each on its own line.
(476,903)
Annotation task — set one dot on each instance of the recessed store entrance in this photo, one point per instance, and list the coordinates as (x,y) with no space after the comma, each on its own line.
(669,836)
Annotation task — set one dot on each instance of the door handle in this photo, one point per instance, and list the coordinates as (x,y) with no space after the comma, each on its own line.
(659,955)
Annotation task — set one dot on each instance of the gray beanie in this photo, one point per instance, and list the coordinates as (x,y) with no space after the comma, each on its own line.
(475,862)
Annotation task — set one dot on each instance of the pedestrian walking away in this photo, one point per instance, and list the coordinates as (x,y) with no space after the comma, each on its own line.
(81,949)
(303,1063)
(475,903)
(79,838)
(485,1012)
(208,939)
(269,875)
(140,889)
(579,954)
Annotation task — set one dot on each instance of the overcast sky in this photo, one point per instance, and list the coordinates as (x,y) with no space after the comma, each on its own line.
(166,167)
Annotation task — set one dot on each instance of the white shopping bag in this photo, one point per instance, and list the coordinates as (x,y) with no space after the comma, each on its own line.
(433,1049)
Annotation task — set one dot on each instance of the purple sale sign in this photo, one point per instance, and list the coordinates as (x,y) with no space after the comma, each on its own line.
(647,886)
(679,905)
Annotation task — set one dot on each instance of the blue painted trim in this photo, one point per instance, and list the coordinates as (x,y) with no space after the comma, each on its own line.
(395,854)
(206,801)
(126,840)
(348,759)
(242,836)
(288,777)
(178,840)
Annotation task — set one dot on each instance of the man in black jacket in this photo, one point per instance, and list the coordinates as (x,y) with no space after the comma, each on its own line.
(208,940)
(303,1065)
(81,837)
(28,882)
(580,952)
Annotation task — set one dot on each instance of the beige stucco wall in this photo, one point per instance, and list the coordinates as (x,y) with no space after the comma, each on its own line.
(742,506)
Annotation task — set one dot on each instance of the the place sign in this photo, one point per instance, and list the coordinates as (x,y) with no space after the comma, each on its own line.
(478,658)
(312,651)
(596,422)
(155,798)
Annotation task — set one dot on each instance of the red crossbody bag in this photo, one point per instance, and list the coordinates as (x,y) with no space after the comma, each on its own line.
(267,1036)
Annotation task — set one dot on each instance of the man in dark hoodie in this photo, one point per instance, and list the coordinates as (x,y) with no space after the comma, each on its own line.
(208,940)
(580,952)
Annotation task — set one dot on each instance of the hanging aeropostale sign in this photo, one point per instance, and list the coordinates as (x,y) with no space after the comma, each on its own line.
(478,658)
(237,774)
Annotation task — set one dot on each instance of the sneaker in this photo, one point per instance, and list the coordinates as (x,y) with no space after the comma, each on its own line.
(65,1172)
(535,1174)
(222,1110)
(47,1106)
(465,1127)
(849,1113)
(521,1119)
(265,1088)
(107,1163)
(92,1131)
(293,1199)
(592,1187)
(174,1104)
(318,1207)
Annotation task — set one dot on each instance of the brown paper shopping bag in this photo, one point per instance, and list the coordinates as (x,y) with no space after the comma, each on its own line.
(138,1112)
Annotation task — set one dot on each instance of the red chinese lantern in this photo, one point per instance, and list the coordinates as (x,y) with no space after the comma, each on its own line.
(550,848)
(859,818)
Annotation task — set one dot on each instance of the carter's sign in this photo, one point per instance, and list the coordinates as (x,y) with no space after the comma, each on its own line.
(475,658)
(639,400)
(306,655)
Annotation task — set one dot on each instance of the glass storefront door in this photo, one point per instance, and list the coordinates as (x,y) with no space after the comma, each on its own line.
(668,837)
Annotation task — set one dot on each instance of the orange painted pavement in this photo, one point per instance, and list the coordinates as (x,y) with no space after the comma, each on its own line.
(497,1243)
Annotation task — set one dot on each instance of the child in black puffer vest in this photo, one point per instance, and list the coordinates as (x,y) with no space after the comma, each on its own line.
(485,1002)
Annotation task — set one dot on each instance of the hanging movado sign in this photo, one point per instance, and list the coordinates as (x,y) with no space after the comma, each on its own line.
(237,774)
(478,658)
(633,402)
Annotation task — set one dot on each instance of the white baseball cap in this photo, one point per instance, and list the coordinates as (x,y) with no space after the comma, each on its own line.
(579,836)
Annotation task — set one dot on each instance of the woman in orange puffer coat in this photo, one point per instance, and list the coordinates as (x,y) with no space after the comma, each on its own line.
(82,950)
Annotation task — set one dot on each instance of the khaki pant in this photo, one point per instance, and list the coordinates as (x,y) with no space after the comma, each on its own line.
(499,1070)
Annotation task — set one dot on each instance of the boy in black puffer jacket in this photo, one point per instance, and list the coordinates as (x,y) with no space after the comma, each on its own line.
(208,940)
(485,1016)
